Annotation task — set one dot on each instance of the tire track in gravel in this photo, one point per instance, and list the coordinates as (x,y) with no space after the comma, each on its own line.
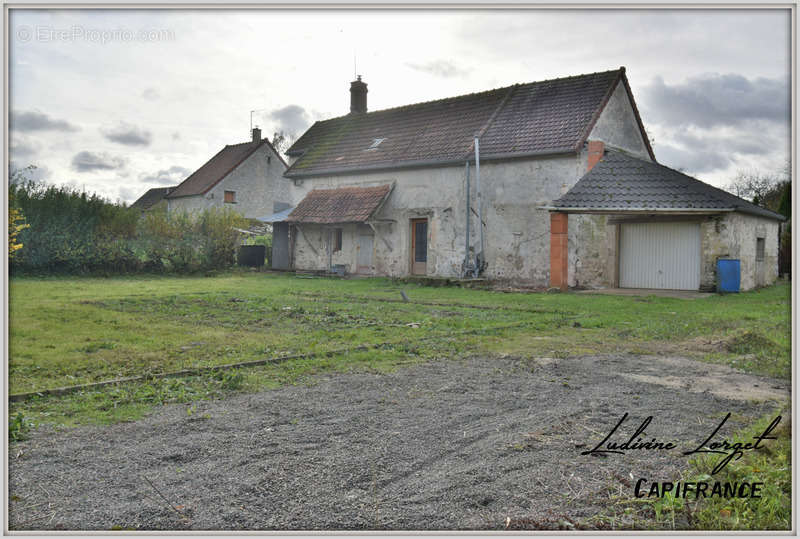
(449,444)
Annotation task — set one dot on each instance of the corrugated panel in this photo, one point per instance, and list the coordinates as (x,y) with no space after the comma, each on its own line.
(659,255)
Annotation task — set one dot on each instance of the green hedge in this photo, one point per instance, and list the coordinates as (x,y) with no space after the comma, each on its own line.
(75,232)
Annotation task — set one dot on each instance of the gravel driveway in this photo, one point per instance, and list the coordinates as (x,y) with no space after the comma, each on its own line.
(451,444)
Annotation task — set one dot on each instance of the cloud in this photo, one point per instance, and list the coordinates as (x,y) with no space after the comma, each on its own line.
(713,100)
(734,141)
(171,176)
(292,119)
(128,194)
(722,150)
(128,134)
(151,94)
(21,146)
(29,120)
(691,161)
(440,68)
(89,162)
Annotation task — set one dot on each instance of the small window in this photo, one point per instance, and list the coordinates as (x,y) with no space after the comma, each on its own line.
(337,239)
(759,249)
(269,159)
(375,143)
(230,197)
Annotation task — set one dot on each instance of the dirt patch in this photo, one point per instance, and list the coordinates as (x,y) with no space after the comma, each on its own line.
(719,380)
(472,444)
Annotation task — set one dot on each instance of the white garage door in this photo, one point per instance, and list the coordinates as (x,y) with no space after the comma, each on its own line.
(659,255)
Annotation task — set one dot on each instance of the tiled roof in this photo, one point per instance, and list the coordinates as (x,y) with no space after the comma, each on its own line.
(544,117)
(621,182)
(342,205)
(216,168)
(151,197)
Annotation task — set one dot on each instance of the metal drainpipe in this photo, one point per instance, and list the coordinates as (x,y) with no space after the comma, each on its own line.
(478,256)
(330,250)
(465,269)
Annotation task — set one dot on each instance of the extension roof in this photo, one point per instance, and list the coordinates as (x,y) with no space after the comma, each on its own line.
(620,182)
(537,118)
(151,197)
(216,168)
(342,205)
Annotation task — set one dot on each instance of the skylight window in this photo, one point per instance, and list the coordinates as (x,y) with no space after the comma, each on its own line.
(375,143)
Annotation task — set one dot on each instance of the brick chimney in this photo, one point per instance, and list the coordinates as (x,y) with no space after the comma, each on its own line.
(596,150)
(358,96)
(256,134)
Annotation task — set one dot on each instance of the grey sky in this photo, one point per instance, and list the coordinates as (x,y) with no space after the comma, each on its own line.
(121,101)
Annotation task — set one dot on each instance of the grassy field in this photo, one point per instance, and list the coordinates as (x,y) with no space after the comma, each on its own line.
(68,331)
(73,331)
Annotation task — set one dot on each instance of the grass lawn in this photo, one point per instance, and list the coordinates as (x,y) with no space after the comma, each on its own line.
(68,331)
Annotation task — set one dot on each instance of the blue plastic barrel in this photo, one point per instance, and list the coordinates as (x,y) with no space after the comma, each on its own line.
(729,272)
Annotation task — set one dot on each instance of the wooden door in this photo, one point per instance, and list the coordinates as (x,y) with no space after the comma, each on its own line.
(419,246)
(364,248)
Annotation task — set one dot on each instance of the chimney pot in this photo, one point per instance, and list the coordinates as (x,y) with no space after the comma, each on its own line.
(256,134)
(358,95)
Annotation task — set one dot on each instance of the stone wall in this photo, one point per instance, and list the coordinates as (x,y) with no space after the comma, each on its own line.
(734,235)
(516,231)
(258,183)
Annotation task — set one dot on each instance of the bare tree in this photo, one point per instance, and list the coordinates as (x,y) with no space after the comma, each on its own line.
(282,141)
(758,187)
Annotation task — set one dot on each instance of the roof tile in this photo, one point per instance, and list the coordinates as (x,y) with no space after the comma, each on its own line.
(538,117)
(621,182)
(216,168)
(342,205)
(151,197)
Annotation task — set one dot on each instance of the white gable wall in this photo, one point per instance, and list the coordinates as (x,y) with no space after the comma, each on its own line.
(617,125)
(258,184)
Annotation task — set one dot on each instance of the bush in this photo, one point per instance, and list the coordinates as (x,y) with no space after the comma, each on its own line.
(18,428)
(74,232)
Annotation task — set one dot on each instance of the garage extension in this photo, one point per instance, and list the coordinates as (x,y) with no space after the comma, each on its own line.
(660,228)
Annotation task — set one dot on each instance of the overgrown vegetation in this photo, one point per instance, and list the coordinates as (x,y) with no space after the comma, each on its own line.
(770,465)
(70,232)
(16,224)
(18,427)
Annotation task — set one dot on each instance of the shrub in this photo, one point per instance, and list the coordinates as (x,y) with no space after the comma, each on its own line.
(18,428)
(74,232)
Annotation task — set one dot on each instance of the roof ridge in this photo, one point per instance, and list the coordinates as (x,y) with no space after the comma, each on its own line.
(249,151)
(509,87)
(528,118)
(260,141)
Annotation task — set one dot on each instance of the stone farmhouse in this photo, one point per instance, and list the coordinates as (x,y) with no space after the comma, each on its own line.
(247,177)
(550,183)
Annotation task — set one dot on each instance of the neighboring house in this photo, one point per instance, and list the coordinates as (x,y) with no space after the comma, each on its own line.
(247,177)
(385,193)
(153,199)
